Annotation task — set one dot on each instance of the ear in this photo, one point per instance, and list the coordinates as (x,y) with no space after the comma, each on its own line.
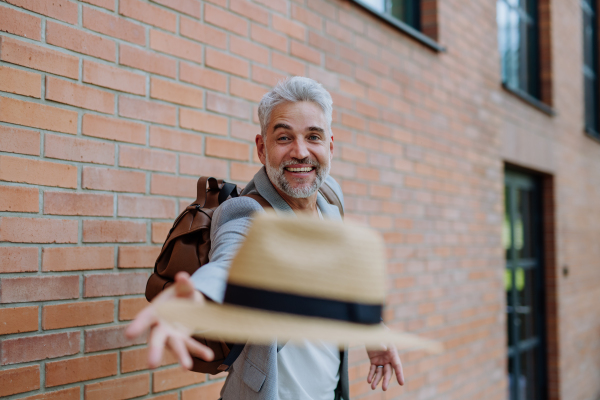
(260,149)
(331,148)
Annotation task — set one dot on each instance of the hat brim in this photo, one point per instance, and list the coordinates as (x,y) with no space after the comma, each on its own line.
(242,324)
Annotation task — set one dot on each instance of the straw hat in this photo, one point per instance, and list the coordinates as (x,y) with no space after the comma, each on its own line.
(300,278)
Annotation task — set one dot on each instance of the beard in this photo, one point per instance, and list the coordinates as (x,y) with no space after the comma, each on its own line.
(306,188)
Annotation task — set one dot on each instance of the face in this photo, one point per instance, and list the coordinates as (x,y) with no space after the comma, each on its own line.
(298,148)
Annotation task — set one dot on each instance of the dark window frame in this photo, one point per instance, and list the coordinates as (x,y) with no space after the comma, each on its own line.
(403,26)
(591,68)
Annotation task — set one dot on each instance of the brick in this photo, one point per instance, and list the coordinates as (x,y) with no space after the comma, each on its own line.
(173,185)
(113,78)
(277,5)
(338,66)
(352,155)
(63,10)
(80,42)
(202,33)
(19,199)
(225,62)
(81,150)
(148,14)
(198,166)
(77,258)
(33,348)
(17,140)
(137,256)
(19,319)
(225,20)
(249,50)
(112,284)
(96,231)
(137,359)
(19,23)
(175,46)
(189,7)
(175,93)
(129,308)
(145,207)
(265,76)
(113,337)
(69,315)
(305,52)
(66,394)
(18,290)
(288,27)
(37,115)
(155,160)
(250,10)
(108,4)
(114,26)
(119,389)
(244,130)
(22,82)
(160,230)
(73,94)
(172,378)
(287,64)
(243,172)
(224,148)
(202,77)
(38,230)
(14,169)
(352,121)
(113,180)
(19,380)
(172,139)
(204,392)
(65,203)
(18,259)
(202,122)
(307,17)
(268,37)
(147,111)
(39,58)
(80,369)
(226,105)
(113,129)
(147,61)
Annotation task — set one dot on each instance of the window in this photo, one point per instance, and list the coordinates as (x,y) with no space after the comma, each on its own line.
(406,11)
(590,67)
(519,45)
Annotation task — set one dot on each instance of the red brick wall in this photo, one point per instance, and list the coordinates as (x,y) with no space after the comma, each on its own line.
(110,109)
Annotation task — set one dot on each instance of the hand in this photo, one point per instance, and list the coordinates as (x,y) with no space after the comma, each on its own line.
(176,338)
(389,358)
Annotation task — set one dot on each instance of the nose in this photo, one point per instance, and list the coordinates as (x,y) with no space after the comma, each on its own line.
(299,150)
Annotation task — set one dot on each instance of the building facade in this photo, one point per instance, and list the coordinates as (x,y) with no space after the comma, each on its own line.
(465,132)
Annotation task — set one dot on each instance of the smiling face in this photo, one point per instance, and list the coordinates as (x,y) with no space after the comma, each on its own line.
(297,149)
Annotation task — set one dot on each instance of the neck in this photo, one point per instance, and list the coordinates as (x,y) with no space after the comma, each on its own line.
(307,205)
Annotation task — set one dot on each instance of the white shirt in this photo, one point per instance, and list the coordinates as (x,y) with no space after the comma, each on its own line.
(308,371)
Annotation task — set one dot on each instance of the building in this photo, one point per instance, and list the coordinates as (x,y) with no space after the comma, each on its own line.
(465,131)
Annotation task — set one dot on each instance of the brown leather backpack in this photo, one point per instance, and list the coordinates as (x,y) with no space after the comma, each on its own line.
(186,249)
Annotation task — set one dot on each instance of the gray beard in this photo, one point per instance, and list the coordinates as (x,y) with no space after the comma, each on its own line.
(277,177)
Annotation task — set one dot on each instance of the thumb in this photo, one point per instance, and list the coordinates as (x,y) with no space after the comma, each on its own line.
(183,285)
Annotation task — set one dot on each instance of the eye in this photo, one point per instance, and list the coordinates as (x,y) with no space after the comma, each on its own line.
(314,137)
(283,139)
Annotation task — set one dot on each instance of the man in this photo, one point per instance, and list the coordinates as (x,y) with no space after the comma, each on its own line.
(296,148)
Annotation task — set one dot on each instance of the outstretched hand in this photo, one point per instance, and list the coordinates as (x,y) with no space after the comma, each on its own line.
(176,338)
(388,357)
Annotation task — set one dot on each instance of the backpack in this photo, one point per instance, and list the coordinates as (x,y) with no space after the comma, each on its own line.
(186,249)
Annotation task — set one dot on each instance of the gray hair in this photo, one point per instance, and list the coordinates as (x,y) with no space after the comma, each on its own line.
(294,89)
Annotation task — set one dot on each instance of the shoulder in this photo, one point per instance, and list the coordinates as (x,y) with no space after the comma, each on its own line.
(234,209)
(332,183)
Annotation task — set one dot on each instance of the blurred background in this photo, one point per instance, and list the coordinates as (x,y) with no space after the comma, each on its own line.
(466,132)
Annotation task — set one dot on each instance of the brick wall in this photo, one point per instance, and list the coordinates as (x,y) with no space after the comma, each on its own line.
(110,109)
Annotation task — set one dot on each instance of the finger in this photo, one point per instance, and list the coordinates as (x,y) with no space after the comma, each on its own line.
(156,346)
(142,322)
(397,365)
(377,378)
(199,350)
(177,345)
(371,373)
(387,375)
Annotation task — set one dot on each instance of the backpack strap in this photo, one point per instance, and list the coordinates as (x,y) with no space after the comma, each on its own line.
(331,197)
(260,200)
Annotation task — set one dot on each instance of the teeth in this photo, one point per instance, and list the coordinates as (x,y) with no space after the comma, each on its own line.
(307,169)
